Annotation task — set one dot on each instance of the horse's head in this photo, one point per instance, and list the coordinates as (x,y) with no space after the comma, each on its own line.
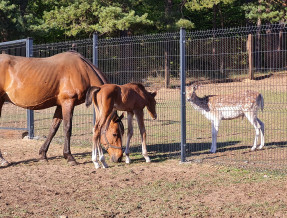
(151,105)
(111,137)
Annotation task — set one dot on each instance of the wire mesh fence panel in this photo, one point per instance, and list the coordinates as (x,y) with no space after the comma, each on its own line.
(13,117)
(83,117)
(221,63)
(152,60)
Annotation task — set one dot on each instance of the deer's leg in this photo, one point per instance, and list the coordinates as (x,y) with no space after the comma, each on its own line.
(261,133)
(130,134)
(67,111)
(140,118)
(57,119)
(215,127)
(3,162)
(253,120)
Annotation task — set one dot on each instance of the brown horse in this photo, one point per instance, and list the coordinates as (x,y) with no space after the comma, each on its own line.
(62,81)
(131,97)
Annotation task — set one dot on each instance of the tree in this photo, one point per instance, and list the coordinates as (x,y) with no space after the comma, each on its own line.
(11,22)
(81,17)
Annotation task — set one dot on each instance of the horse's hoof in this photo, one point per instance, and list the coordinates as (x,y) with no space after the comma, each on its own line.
(73,163)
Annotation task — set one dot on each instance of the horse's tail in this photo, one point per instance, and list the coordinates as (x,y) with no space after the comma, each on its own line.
(92,91)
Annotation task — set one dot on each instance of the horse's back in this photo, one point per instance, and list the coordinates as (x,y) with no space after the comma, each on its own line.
(32,82)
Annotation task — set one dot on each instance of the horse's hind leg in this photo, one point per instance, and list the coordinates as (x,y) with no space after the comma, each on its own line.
(67,111)
(140,118)
(57,119)
(3,162)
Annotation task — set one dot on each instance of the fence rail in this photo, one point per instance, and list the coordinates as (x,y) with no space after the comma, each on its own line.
(223,61)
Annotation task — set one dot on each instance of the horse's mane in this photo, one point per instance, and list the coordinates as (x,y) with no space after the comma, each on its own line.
(102,77)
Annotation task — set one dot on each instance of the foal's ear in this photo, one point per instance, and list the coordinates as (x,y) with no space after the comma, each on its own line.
(153,94)
(90,93)
(119,118)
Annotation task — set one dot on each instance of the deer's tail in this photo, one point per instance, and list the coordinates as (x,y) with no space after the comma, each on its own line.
(260,101)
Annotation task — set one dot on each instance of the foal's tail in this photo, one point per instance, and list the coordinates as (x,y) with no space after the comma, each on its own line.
(90,94)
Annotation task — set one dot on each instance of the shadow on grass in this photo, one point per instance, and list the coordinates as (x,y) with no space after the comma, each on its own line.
(162,152)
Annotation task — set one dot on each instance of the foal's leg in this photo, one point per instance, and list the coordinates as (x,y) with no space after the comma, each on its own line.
(140,118)
(67,111)
(3,162)
(130,134)
(96,143)
(57,119)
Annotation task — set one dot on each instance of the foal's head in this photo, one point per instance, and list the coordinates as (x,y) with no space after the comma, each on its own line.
(111,137)
(151,105)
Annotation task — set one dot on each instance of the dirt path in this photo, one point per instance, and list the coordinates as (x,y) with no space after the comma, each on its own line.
(167,188)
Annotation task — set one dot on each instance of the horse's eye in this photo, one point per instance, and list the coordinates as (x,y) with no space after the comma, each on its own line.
(115,134)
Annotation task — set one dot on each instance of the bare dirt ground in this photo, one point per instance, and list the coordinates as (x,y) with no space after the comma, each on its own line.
(29,188)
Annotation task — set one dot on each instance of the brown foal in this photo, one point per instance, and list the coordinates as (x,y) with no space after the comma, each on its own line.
(131,97)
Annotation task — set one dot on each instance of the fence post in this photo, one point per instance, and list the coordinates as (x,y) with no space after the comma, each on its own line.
(95,62)
(182,93)
(250,56)
(30,113)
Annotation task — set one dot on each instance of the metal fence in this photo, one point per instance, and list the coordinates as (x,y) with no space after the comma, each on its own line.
(222,61)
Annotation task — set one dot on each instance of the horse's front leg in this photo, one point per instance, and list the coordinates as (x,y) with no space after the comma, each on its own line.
(67,111)
(57,119)
(130,134)
(3,162)
(140,118)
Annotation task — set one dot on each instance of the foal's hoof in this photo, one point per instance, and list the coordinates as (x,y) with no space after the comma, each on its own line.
(72,163)
(4,164)
(147,160)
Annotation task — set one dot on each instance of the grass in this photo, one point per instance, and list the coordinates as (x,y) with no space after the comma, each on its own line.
(163,134)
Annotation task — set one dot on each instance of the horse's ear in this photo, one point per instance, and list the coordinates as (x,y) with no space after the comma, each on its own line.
(90,93)
(153,94)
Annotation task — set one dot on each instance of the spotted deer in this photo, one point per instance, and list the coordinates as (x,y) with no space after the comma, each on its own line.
(227,107)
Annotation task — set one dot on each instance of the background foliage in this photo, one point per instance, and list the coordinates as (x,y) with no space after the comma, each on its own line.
(50,21)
